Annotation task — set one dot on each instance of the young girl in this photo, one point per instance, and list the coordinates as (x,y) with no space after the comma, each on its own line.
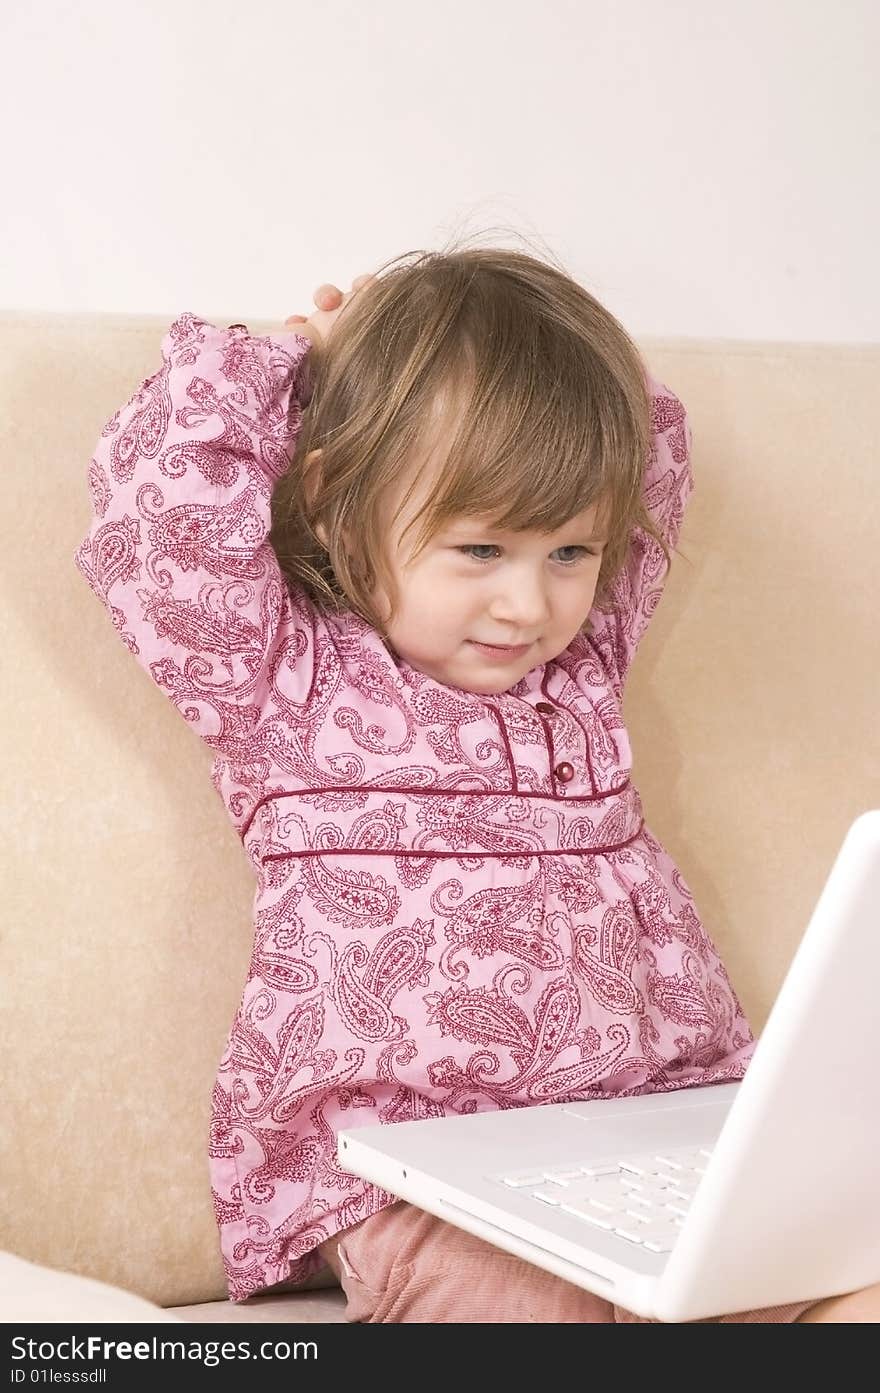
(395,576)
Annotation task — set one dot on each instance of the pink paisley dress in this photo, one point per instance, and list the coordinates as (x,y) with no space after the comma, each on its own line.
(458,905)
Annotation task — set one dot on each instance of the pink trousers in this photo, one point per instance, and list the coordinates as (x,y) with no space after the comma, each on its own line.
(403,1265)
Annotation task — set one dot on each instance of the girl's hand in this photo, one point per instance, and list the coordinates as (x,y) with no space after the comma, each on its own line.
(331,302)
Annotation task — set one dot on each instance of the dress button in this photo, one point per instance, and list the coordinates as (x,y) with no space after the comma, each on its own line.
(564,772)
(545,708)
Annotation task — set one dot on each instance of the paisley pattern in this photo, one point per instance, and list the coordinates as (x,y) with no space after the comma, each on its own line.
(443,924)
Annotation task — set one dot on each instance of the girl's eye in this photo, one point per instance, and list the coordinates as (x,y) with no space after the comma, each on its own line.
(487,546)
(581,551)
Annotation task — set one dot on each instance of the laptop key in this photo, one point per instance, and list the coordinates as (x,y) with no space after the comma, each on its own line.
(520,1179)
(589,1214)
(654,1194)
(632,1235)
(604,1189)
(676,1207)
(646,1166)
(562,1175)
(637,1218)
(659,1236)
(598,1203)
(643,1200)
(659,1245)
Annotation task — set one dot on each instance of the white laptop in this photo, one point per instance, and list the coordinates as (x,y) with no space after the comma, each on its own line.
(706,1200)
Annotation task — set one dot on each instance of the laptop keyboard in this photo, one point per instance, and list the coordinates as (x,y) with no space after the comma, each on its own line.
(643,1199)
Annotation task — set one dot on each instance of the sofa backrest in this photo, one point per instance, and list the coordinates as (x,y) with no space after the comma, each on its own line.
(127,896)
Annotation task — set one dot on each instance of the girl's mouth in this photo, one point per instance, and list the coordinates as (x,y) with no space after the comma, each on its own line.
(501,652)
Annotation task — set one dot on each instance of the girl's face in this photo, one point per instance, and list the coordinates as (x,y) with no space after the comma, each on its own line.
(474,585)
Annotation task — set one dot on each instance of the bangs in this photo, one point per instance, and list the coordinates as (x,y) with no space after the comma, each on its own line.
(528,434)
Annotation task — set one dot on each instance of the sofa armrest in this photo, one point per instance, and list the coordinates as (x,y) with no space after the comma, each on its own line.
(34,1293)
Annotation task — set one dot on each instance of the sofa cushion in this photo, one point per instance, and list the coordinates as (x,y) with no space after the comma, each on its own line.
(32,1293)
(290,1308)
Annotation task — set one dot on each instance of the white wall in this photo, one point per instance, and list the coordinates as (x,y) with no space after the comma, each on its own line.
(704,168)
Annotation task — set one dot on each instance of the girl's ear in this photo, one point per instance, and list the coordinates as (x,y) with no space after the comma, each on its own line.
(311,485)
(312,474)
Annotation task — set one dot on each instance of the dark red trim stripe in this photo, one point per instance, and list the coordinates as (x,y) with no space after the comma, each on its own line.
(434,793)
(449,855)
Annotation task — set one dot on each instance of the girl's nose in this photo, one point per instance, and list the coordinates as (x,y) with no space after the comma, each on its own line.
(524,607)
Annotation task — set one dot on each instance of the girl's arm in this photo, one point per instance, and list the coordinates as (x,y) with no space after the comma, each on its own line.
(180,484)
(616,632)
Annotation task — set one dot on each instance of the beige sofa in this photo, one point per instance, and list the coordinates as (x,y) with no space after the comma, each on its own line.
(127,895)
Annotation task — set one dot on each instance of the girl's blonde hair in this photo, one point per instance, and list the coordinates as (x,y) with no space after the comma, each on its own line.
(545,410)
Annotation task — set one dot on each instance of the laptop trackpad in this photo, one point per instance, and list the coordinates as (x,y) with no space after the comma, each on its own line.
(670,1118)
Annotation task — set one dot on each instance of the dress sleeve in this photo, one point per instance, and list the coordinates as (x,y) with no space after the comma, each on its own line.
(177,550)
(615,631)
